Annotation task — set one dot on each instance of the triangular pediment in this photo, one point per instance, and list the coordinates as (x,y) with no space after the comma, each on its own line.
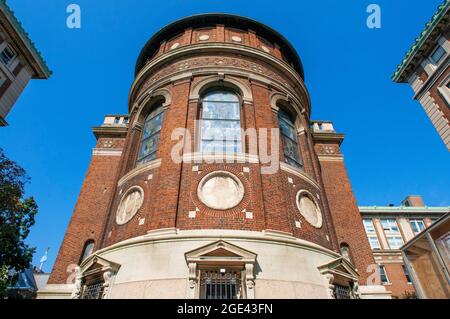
(340,267)
(95,262)
(220,250)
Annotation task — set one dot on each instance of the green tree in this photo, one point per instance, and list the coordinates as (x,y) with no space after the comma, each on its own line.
(16,218)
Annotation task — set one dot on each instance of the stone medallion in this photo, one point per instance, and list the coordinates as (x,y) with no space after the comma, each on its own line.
(220,190)
(236,38)
(174,46)
(129,205)
(309,208)
(203,37)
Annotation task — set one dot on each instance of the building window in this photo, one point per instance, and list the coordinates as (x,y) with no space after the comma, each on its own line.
(7,55)
(392,232)
(93,290)
(374,243)
(341,292)
(117,120)
(390,225)
(220,123)
(417,225)
(289,139)
(87,250)
(395,242)
(438,55)
(368,225)
(345,252)
(383,275)
(150,136)
(220,284)
(371,234)
(406,272)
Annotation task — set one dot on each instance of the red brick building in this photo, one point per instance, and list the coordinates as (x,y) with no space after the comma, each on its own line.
(185,197)
(388,228)
(426,69)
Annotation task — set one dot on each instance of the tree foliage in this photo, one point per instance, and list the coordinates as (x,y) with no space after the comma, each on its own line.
(16,218)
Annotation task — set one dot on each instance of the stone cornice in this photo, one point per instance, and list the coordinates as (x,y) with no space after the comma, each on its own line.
(421,46)
(117,131)
(328,137)
(219,48)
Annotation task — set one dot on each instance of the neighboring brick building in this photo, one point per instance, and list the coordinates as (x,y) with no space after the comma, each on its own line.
(170,208)
(390,227)
(19,61)
(426,69)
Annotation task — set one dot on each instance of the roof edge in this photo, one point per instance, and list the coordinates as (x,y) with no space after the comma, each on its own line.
(160,35)
(44,72)
(399,74)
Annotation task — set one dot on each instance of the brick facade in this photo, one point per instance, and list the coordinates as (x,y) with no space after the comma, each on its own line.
(175,66)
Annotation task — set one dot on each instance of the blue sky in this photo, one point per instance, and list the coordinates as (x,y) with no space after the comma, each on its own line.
(391,148)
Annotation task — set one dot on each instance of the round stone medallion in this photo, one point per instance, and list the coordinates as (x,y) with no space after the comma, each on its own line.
(175,45)
(220,190)
(203,37)
(129,205)
(309,208)
(266,49)
(236,38)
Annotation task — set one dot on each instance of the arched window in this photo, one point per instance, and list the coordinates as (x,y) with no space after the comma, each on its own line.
(289,139)
(220,123)
(345,251)
(150,136)
(87,250)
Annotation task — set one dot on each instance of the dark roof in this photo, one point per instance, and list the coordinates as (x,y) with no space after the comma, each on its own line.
(210,19)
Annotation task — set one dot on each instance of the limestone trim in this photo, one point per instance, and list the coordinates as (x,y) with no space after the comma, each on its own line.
(436,116)
(107,152)
(95,265)
(331,158)
(174,234)
(278,96)
(340,271)
(221,79)
(221,254)
(199,157)
(222,48)
(139,170)
(226,71)
(146,97)
(299,173)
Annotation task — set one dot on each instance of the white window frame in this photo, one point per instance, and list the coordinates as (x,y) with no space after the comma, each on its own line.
(374,242)
(366,227)
(397,238)
(415,222)
(391,223)
(371,234)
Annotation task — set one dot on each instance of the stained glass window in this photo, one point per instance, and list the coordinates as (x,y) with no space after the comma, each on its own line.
(150,136)
(221,123)
(289,139)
